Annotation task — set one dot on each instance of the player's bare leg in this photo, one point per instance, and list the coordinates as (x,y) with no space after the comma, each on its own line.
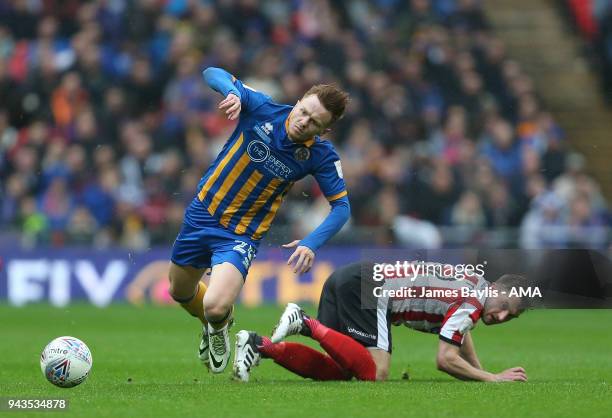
(184,287)
(382,359)
(224,287)
(187,289)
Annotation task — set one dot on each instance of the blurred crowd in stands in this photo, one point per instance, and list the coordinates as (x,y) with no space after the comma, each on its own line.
(593,19)
(106,125)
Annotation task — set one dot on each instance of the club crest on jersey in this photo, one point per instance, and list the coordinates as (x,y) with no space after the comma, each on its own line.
(301,154)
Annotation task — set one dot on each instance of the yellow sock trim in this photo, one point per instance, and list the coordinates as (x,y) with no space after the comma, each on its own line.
(196,305)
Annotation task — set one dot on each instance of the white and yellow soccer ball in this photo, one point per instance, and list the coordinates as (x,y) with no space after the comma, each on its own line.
(66,362)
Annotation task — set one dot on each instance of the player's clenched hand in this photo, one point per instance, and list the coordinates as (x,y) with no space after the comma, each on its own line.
(515,374)
(304,256)
(231,104)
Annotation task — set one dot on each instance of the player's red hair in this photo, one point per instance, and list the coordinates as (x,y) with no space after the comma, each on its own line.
(332,98)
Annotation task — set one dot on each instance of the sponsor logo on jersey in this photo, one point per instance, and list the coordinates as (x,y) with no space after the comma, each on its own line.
(278,168)
(258,151)
(363,334)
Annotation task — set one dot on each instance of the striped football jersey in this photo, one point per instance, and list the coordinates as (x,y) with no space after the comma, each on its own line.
(436,302)
(245,186)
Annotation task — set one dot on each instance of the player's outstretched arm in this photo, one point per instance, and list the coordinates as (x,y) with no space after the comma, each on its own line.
(302,256)
(468,351)
(449,360)
(305,252)
(223,82)
(231,105)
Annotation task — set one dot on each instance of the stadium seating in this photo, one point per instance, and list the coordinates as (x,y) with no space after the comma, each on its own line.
(106,125)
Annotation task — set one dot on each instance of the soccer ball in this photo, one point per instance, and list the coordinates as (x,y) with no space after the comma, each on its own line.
(66,362)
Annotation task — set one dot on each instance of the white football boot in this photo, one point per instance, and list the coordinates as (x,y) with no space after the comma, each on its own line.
(246,355)
(204,348)
(291,323)
(219,349)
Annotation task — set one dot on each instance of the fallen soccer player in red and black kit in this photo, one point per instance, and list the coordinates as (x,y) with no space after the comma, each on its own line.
(353,326)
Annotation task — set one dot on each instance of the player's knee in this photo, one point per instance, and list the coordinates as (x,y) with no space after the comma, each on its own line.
(216,311)
(180,294)
(181,285)
(173,288)
(175,284)
(382,374)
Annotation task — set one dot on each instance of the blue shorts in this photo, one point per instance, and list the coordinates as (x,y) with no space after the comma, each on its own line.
(203,242)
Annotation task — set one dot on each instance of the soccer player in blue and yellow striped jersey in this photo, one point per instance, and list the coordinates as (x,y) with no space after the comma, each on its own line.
(272,147)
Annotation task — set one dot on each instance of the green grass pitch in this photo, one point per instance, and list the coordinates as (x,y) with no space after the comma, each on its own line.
(144,365)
